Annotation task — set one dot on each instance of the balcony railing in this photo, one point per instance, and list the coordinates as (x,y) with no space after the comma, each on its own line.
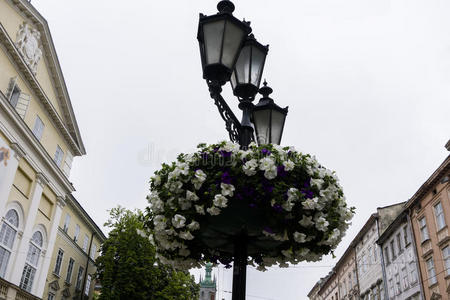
(12,291)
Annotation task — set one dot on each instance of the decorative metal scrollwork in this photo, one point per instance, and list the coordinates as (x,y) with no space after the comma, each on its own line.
(232,124)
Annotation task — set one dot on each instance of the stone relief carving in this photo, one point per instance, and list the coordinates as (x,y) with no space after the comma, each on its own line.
(28,43)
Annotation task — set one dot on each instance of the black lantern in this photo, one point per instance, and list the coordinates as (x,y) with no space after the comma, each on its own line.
(249,67)
(268,118)
(221,37)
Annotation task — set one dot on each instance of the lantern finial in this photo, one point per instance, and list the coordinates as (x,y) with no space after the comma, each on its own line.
(265,91)
(225,6)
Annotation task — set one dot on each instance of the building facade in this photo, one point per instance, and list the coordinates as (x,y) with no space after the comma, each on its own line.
(330,287)
(368,253)
(347,275)
(429,211)
(39,138)
(72,269)
(400,260)
(208,287)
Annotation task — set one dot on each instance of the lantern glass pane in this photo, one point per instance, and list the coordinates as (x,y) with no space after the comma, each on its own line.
(262,126)
(277,126)
(213,33)
(258,58)
(243,66)
(233,79)
(232,40)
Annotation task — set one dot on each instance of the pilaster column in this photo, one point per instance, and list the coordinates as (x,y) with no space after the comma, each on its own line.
(21,256)
(8,168)
(41,283)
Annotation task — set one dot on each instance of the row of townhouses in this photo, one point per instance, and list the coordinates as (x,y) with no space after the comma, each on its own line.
(401,253)
(48,243)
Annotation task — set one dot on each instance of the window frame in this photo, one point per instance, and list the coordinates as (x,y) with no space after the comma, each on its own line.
(38,128)
(423,228)
(439,216)
(58,263)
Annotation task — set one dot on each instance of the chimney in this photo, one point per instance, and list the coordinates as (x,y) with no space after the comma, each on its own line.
(448,145)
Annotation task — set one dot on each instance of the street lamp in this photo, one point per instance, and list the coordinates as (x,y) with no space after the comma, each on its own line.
(249,67)
(268,118)
(229,53)
(220,38)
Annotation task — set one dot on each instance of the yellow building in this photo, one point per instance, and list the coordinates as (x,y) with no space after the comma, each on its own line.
(39,137)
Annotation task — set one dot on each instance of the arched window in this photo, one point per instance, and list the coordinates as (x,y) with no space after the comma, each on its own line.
(31,264)
(8,233)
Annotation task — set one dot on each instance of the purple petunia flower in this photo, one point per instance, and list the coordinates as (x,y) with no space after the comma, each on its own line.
(268,229)
(277,207)
(265,151)
(226,178)
(225,154)
(281,172)
(252,205)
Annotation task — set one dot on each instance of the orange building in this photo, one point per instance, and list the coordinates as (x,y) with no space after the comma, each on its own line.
(429,211)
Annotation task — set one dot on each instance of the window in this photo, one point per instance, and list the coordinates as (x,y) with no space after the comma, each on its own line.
(51,296)
(69,270)
(59,154)
(31,262)
(405,279)
(38,128)
(405,235)
(413,272)
(93,251)
(14,98)
(66,223)
(7,236)
(77,232)
(85,242)
(79,278)
(439,214)
(375,255)
(67,163)
(399,243)
(350,284)
(398,289)
(431,271)
(344,286)
(393,250)
(446,256)
(59,261)
(386,254)
(88,285)
(423,229)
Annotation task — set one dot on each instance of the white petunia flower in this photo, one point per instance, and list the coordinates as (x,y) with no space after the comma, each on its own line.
(306,221)
(186,235)
(141,233)
(249,167)
(193,226)
(310,203)
(322,224)
(184,204)
(317,182)
(184,252)
(156,180)
(178,221)
(183,168)
(288,205)
(299,237)
(266,163)
(213,211)
(292,194)
(271,173)
(220,201)
(227,189)
(200,175)
(160,223)
(200,209)
(191,196)
(288,165)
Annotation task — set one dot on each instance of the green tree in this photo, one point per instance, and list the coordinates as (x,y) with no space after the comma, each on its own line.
(127,267)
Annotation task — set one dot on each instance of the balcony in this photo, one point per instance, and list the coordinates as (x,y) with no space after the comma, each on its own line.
(443,236)
(11,291)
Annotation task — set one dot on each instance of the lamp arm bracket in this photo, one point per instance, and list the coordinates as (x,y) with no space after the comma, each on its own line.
(232,124)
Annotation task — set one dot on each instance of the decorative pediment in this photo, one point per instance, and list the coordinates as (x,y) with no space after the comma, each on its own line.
(54,285)
(436,296)
(28,42)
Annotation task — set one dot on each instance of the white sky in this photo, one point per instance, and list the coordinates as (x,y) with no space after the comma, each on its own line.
(367,83)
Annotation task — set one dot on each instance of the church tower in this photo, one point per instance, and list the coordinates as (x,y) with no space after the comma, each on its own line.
(208,285)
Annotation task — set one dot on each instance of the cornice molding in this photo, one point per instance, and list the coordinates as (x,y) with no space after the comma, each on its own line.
(19,152)
(60,202)
(6,40)
(42,179)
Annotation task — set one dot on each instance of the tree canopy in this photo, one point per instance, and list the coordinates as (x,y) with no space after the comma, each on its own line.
(128,269)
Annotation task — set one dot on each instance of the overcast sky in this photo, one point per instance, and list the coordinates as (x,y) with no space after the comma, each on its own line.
(367,83)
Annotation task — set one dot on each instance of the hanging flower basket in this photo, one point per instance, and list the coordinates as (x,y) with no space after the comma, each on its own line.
(289,207)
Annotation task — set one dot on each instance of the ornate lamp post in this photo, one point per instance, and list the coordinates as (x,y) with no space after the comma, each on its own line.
(230,53)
